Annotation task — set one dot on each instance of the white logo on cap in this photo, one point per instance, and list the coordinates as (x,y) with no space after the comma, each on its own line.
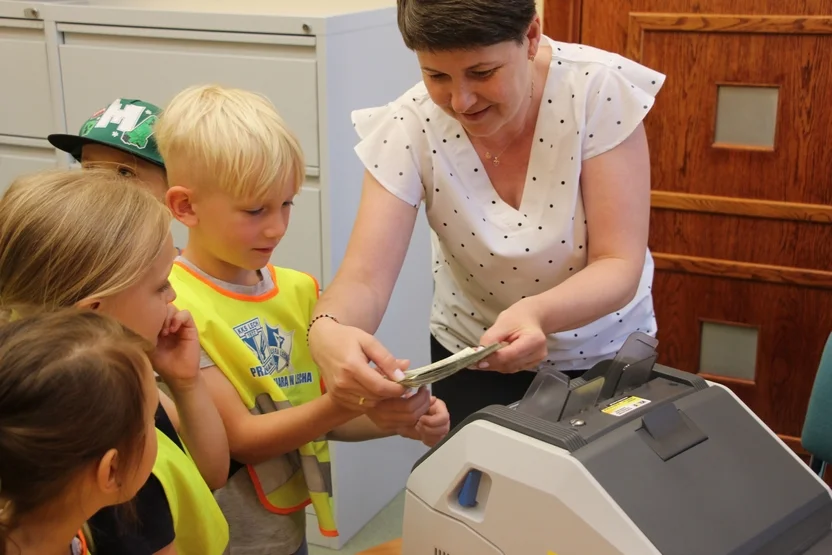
(127,117)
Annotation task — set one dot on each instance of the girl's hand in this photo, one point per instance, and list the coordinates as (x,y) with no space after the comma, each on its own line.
(520,327)
(176,357)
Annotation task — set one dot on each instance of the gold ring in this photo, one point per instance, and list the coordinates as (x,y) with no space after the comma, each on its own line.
(361,400)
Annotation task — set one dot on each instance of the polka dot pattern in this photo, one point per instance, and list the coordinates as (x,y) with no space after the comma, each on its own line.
(488,255)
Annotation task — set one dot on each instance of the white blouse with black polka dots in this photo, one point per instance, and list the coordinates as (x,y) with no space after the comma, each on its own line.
(486,254)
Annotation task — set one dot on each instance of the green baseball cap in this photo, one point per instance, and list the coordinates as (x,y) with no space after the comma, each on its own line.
(126,124)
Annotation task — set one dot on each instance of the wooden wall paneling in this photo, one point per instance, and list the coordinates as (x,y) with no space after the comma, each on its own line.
(562,19)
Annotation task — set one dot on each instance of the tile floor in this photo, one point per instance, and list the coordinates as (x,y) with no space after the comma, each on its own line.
(385,526)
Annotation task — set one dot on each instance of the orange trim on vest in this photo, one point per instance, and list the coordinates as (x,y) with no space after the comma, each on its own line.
(231,294)
(258,487)
(83,539)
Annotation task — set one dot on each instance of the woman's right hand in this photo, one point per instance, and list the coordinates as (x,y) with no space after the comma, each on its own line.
(343,355)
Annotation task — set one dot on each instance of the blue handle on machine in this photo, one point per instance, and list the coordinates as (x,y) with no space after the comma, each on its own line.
(468,492)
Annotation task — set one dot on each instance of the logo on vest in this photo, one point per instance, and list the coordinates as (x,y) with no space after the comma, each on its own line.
(271,345)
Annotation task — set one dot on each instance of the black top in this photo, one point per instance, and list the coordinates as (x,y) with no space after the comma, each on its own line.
(152,528)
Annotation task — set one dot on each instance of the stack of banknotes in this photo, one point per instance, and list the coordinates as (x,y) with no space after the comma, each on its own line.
(449,366)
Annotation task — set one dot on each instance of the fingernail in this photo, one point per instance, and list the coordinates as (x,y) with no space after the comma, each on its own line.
(483,365)
(398,375)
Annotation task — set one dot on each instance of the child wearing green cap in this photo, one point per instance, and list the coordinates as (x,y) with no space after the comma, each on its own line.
(120,137)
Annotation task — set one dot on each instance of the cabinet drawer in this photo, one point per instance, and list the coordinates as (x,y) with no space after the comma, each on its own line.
(26,110)
(99,64)
(17,160)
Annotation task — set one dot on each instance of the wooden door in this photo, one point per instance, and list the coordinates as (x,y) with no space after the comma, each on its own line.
(741,226)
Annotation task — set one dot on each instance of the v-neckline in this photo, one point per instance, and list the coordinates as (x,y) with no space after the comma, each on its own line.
(499,209)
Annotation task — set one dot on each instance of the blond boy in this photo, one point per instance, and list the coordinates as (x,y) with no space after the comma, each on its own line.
(234,170)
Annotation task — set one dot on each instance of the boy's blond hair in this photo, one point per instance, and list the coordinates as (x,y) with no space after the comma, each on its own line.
(71,235)
(228,138)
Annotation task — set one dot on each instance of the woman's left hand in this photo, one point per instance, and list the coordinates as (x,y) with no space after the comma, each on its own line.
(176,357)
(520,327)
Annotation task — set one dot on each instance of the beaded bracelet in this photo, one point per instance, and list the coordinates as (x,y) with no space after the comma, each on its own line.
(318,317)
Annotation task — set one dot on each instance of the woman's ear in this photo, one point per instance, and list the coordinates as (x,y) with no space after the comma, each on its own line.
(107,474)
(534,34)
(179,201)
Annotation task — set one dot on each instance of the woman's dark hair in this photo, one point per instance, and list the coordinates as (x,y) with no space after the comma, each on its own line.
(71,389)
(437,25)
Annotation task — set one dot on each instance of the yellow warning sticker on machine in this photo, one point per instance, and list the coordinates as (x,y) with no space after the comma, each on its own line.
(625,405)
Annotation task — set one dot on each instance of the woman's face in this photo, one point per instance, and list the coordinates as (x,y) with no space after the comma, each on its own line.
(482,88)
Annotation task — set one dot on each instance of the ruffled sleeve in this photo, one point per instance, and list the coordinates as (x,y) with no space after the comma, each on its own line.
(619,96)
(387,150)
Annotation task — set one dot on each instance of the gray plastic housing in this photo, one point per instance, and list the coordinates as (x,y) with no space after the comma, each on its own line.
(693,469)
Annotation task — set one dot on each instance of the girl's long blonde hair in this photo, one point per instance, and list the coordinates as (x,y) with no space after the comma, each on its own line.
(70,235)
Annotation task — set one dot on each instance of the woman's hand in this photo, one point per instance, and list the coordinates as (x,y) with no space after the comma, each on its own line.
(519,326)
(343,355)
(432,427)
(393,414)
(176,357)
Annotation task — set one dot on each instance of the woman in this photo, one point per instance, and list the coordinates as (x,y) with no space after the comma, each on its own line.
(532,161)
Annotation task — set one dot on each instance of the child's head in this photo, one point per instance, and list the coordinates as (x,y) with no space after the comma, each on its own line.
(77,406)
(233,170)
(120,137)
(87,238)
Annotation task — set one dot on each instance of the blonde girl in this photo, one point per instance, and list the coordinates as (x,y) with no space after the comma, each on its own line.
(77,404)
(92,239)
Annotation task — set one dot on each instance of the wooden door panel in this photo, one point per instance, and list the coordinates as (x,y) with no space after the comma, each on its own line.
(746,239)
(733,273)
(741,234)
(605,23)
(780,391)
(698,55)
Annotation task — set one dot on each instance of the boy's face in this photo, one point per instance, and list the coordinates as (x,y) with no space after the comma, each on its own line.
(242,233)
(153,176)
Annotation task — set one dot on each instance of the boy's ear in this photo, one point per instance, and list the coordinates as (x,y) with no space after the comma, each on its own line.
(180,202)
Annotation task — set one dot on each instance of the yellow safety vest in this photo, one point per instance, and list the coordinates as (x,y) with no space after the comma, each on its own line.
(259,343)
(198,522)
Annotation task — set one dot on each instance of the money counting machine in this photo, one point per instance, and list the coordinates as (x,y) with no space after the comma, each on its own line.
(632,458)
